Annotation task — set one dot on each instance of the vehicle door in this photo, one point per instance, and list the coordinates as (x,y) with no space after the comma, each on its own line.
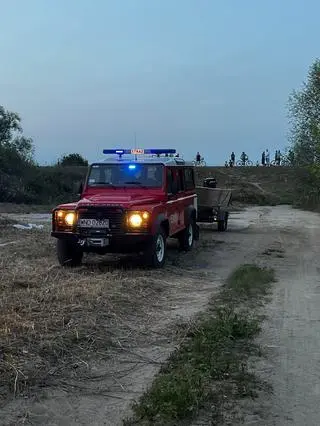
(175,209)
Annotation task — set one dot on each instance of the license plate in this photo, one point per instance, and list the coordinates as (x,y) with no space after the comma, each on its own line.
(94,223)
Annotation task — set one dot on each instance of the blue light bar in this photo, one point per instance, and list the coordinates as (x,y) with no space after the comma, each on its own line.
(132,166)
(139,151)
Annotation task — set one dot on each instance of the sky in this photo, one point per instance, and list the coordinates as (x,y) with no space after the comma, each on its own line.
(195,75)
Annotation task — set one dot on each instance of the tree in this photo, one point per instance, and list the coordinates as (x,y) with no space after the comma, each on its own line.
(304,114)
(73,160)
(11,138)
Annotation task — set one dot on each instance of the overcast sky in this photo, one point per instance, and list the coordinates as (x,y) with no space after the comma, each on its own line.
(204,75)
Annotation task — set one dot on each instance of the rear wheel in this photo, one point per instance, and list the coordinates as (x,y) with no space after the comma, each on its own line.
(155,256)
(186,237)
(68,253)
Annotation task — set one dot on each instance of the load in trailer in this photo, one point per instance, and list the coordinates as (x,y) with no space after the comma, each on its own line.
(213,204)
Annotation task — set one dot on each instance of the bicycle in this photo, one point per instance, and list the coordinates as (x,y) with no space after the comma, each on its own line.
(200,163)
(246,163)
(284,162)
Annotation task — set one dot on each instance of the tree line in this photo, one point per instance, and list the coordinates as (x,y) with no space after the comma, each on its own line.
(22,180)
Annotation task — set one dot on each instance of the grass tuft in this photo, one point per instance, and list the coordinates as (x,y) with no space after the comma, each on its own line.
(250,281)
(212,360)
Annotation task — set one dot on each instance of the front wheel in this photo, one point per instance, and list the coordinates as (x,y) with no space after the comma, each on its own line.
(68,253)
(186,237)
(155,256)
(249,163)
(239,163)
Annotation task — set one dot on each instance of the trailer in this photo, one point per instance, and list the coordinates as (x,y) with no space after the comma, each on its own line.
(213,204)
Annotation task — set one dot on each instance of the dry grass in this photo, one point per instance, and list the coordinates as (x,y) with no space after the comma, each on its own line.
(54,320)
(24,208)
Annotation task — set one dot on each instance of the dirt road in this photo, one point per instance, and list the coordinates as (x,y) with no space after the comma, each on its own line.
(291,334)
(279,237)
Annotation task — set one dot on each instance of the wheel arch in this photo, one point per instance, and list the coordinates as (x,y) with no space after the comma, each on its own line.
(163,221)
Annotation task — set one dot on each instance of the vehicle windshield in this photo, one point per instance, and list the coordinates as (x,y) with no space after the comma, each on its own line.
(127,175)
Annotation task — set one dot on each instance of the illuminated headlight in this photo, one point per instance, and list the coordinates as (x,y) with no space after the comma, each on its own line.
(65,218)
(137,219)
(70,218)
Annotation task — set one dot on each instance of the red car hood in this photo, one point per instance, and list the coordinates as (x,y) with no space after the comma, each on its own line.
(125,200)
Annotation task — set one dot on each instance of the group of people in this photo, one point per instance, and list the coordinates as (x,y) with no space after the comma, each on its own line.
(232,161)
(244,159)
(265,159)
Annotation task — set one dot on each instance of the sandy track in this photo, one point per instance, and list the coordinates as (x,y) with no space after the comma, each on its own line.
(291,335)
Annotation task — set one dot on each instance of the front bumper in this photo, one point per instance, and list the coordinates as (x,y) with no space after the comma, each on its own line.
(107,243)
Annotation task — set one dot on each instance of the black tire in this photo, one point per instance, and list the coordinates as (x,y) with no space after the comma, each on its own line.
(68,253)
(239,163)
(186,237)
(152,255)
(249,163)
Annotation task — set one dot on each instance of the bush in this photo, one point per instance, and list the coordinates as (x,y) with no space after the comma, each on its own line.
(40,185)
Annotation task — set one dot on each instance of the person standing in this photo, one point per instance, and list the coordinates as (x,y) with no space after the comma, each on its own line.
(279,158)
(267,158)
(263,158)
(233,158)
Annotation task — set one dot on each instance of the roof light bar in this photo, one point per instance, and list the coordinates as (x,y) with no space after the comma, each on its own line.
(139,151)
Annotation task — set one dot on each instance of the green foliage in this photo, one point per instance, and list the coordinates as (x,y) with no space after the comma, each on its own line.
(11,140)
(304,113)
(21,180)
(73,160)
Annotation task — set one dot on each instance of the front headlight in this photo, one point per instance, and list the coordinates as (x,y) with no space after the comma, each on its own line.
(65,218)
(138,219)
(70,218)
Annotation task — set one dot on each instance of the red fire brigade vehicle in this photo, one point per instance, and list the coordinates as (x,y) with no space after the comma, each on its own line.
(130,203)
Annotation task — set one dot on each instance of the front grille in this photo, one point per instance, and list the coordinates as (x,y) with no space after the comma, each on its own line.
(115,215)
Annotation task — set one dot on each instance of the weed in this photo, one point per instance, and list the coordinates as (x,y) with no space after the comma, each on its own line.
(249,281)
(212,360)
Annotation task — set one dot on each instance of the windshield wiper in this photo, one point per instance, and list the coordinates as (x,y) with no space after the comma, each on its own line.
(102,183)
(133,182)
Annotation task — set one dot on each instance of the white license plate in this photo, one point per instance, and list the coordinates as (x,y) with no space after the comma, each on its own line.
(94,223)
